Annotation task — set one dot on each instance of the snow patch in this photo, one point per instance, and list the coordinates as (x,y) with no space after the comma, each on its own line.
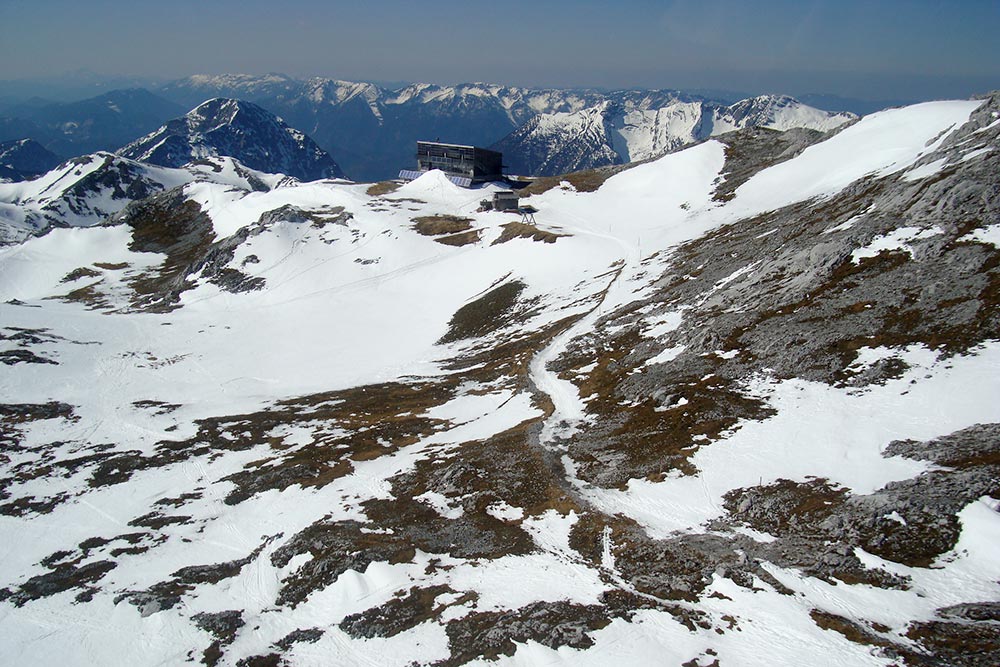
(897,239)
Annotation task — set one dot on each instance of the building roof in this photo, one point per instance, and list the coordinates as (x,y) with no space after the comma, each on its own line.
(443,143)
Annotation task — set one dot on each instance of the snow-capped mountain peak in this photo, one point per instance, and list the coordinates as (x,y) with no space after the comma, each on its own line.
(214,113)
(239,129)
(777,112)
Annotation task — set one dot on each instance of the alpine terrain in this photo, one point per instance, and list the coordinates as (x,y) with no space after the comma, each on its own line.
(734,403)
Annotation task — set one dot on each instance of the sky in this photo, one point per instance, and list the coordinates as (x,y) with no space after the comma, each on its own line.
(876,49)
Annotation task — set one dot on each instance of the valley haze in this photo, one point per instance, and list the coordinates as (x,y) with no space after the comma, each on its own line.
(916,50)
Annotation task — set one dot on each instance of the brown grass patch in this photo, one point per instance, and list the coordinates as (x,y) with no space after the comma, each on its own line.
(88,295)
(492,634)
(957,643)
(382,188)
(401,613)
(785,506)
(183,232)
(63,577)
(460,239)
(434,225)
(589,180)
(522,230)
(648,439)
(82,272)
(509,358)
(851,630)
(379,419)
(484,315)
(357,424)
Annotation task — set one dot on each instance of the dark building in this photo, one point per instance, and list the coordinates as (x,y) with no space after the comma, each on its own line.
(465,164)
(505,200)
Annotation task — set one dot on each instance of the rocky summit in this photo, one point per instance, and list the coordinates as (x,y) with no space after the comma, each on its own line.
(737,404)
(238,129)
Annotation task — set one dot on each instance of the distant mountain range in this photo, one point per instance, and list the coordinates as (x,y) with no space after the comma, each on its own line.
(221,140)
(371,131)
(104,122)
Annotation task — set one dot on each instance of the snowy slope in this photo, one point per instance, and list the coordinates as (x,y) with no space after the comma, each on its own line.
(734,405)
(578,138)
(639,134)
(81,192)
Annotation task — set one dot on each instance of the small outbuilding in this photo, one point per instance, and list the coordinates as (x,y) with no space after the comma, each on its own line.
(505,200)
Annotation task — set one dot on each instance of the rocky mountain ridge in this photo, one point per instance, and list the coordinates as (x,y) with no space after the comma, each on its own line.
(87,190)
(237,129)
(635,128)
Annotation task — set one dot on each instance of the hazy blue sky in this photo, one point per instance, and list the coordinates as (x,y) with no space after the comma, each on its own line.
(873,49)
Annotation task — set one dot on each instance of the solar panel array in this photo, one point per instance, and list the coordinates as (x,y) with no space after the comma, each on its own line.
(411,174)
